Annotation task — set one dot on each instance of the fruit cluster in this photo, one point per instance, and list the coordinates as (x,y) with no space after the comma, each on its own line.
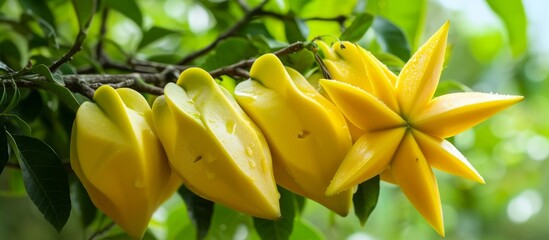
(318,142)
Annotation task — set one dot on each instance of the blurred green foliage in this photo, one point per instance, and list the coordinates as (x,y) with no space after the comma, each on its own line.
(495,46)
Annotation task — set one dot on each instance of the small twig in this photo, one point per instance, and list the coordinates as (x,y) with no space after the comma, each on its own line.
(99,52)
(236,69)
(68,56)
(156,65)
(230,32)
(102,231)
(85,83)
(339,19)
(77,46)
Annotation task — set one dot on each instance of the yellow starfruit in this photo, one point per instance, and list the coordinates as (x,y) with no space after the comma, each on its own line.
(307,134)
(119,160)
(216,149)
(404,126)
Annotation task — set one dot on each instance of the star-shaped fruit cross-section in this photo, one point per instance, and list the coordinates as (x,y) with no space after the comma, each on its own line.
(404,127)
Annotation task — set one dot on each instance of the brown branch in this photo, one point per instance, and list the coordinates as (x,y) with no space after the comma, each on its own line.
(236,69)
(86,83)
(77,46)
(339,19)
(74,49)
(237,26)
(156,65)
(99,52)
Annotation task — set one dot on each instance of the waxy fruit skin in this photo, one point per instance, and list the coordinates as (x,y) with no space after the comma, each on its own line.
(216,149)
(119,160)
(403,125)
(307,134)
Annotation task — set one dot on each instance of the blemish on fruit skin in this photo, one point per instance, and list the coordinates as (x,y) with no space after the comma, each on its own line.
(197,159)
(303,134)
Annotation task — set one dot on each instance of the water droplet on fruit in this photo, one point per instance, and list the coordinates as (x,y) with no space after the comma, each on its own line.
(251,163)
(231,126)
(249,151)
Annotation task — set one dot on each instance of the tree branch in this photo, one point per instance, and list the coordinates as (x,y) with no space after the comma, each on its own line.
(237,26)
(86,83)
(99,52)
(68,56)
(236,69)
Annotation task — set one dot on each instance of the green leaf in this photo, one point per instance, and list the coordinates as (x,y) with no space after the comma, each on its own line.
(394,63)
(365,199)
(323,9)
(358,28)
(40,8)
(45,71)
(512,13)
(178,225)
(45,177)
(5,67)
(391,38)
(3,97)
(13,96)
(84,10)
(228,83)
(296,30)
(124,236)
(300,61)
(4,148)
(15,52)
(305,230)
(228,52)
(23,126)
(129,8)
(85,206)
(49,34)
(199,209)
(62,92)
(411,18)
(300,203)
(282,228)
(153,34)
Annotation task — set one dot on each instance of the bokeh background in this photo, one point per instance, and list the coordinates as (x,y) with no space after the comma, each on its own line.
(505,52)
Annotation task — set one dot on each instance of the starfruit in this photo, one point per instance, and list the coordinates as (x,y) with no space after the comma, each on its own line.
(118,158)
(307,134)
(404,125)
(216,149)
